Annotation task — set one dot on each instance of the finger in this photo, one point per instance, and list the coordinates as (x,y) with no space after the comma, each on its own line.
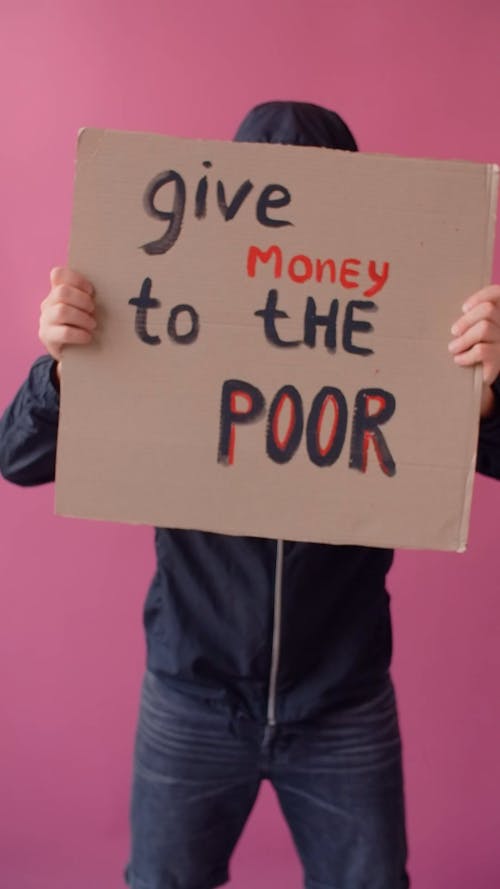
(62,313)
(64,275)
(481,332)
(490,293)
(483,354)
(485,311)
(64,335)
(70,336)
(65,293)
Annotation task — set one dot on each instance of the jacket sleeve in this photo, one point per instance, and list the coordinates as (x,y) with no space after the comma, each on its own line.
(28,429)
(488,451)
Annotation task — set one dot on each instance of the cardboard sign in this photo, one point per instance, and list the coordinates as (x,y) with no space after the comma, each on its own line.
(271,357)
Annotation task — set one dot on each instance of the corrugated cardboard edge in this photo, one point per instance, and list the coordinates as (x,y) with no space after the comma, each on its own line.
(94,136)
(492,182)
(88,143)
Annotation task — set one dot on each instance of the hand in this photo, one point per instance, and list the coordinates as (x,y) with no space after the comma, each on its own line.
(477,338)
(67,315)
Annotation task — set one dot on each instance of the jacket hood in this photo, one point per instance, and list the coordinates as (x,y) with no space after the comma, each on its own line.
(296,123)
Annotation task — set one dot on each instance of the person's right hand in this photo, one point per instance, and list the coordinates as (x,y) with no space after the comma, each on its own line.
(67,315)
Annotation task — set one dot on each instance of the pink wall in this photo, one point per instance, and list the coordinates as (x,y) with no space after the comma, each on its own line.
(416,79)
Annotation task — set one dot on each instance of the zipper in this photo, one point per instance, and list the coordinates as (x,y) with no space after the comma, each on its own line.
(276,644)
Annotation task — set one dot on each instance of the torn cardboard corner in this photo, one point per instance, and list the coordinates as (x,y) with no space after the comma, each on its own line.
(271,357)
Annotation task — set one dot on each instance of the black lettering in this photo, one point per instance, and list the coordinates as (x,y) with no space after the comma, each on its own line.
(229,211)
(327,454)
(191,335)
(200,200)
(266,201)
(351,325)
(269,314)
(174,216)
(312,321)
(366,428)
(143,302)
(281,449)
(232,415)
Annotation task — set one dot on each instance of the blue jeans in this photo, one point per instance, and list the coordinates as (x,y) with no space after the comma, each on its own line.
(197,770)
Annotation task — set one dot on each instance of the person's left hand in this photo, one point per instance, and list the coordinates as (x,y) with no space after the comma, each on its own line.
(476,339)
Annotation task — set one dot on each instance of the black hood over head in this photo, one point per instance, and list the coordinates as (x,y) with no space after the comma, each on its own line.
(296,123)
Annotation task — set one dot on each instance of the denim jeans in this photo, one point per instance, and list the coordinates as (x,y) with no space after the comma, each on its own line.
(197,770)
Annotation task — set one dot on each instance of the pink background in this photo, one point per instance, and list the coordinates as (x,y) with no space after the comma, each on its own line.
(411,78)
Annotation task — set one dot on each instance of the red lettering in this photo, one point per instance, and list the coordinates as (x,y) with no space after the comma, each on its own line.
(323,451)
(320,268)
(255,254)
(302,268)
(347,273)
(236,410)
(378,279)
(300,277)
(281,442)
(372,435)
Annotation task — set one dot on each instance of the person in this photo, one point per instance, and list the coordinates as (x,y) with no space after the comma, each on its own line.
(265,659)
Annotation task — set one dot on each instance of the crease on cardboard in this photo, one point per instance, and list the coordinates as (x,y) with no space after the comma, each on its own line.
(492,173)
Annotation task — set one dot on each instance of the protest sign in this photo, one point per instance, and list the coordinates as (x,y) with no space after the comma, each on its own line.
(271,357)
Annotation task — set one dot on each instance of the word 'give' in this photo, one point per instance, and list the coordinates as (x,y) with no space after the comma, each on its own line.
(173,190)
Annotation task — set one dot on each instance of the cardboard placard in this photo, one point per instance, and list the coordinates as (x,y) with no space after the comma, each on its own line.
(271,357)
